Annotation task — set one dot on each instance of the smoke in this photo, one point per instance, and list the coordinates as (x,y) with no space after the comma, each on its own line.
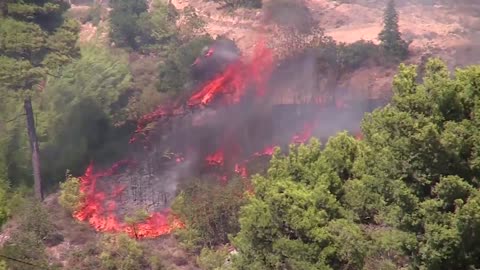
(234,119)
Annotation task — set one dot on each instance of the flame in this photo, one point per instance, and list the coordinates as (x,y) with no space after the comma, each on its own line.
(268,151)
(241,169)
(304,135)
(98,209)
(216,159)
(232,82)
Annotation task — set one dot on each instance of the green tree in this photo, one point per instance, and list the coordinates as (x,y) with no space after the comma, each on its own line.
(124,27)
(295,220)
(404,196)
(79,110)
(390,37)
(210,212)
(175,70)
(158,29)
(120,252)
(34,41)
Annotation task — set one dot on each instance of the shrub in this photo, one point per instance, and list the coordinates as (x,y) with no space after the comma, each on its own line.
(70,197)
(25,246)
(211,259)
(210,209)
(354,55)
(234,4)
(120,252)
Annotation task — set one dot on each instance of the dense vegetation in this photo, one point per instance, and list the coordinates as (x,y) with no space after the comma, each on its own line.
(405,196)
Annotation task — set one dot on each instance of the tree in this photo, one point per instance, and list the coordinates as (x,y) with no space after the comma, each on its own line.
(79,109)
(390,37)
(34,41)
(124,27)
(176,69)
(405,196)
(296,220)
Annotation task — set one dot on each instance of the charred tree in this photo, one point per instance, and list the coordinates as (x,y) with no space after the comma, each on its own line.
(32,138)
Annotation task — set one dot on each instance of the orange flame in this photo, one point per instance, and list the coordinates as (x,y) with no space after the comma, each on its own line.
(99,211)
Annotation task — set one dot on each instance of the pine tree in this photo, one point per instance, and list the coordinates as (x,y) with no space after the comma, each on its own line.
(390,36)
(35,40)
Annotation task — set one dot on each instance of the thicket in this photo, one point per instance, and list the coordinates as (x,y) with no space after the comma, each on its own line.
(405,196)
(234,4)
(209,211)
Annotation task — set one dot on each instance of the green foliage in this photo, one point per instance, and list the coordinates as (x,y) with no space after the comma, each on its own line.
(132,26)
(120,252)
(79,110)
(27,241)
(175,70)
(25,246)
(4,202)
(70,196)
(158,31)
(210,259)
(35,40)
(124,27)
(405,196)
(32,40)
(390,36)
(234,4)
(209,211)
(295,218)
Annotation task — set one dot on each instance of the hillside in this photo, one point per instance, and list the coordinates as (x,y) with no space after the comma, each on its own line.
(158,164)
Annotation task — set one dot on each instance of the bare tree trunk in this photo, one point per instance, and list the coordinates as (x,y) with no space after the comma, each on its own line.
(32,137)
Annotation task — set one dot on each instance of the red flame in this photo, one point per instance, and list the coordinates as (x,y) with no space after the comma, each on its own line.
(304,135)
(268,151)
(216,159)
(241,170)
(231,83)
(99,210)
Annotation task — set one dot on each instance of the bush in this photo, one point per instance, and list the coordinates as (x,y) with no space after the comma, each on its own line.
(210,210)
(354,55)
(34,218)
(28,247)
(210,259)
(4,202)
(70,196)
(234,4)
(120,252)
(174,74)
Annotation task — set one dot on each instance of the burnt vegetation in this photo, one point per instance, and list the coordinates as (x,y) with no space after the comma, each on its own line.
(227,159)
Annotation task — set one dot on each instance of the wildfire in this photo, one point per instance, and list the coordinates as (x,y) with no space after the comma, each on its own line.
(304,135)
(216,159)
(98,209)
(241,170)
(268,151)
